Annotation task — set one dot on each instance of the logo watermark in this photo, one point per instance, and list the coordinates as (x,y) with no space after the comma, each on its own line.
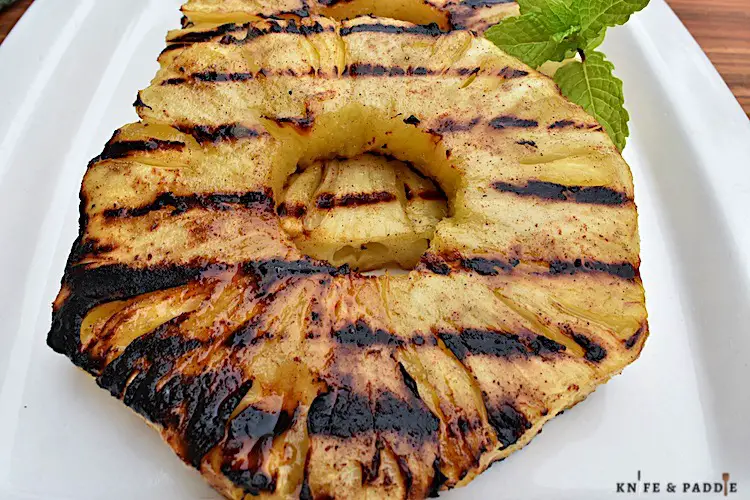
(723,487)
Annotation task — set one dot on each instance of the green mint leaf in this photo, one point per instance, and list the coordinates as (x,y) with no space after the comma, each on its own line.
(597,15)
(530,39)
(593,43)
(558,15)
(592,85)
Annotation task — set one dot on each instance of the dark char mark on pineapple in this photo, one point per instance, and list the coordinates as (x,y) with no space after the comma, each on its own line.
(90,287)
(198,407)
(181,204)
(327,201)
(344,414)
(215,134)
(473,342)
(623,270)
(123,149)
(227,33)
(509,121)
(367,69)
(204,36)
(594,195)
(509,423)
(493,267)
(593,351)
(488,267)
(296,210)
(431,29)
(253,429)
(631,341)
(360,334)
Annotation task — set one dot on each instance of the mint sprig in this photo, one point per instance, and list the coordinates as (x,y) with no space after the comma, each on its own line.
(555,30)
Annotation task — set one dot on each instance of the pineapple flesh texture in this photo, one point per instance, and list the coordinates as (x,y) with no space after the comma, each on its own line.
(369,212)
(191,296)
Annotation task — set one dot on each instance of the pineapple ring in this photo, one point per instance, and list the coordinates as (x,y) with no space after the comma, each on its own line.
(278,375)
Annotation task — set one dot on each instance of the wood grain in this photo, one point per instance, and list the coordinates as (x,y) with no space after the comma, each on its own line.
(10,16)
(722,27)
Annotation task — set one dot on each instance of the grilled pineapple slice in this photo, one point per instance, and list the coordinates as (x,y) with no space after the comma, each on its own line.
(189,296)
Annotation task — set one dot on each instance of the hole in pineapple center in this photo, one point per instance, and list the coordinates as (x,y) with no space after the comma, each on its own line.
(370,211)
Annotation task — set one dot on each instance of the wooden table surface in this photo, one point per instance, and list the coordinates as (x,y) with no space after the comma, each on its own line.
(722,27)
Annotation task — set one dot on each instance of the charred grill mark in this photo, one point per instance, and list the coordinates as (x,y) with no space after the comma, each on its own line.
(341,414)
(123,149)
(274,27)
(631,341)
(360,334)
(140,104)
(624,270)
(438,479)
(302,124)
(327,201)
(367,69)
(436,264)
(173,81)
(525,142)
(90,287)
(152,356)
(207,400)
(226,33)
(211,400)
(411,419)
(512,73)
(253,429)
(412,120)
(305,493)
(345,414)
(473,342)
(509,423)
(444,265)
(409,381)
(431,195)
(488,267)
(569,123)
(594,195)
(371,471)
(297,210)
(249,332)
(215,134)
(448,125)
(268,272)
(408,193)
(593,351)
(181,204)
(508,121)
(431,29)
(204,36)
(174,46)
(215,77)
(363,69)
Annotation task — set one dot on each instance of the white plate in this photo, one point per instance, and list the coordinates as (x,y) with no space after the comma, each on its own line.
(68,74)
